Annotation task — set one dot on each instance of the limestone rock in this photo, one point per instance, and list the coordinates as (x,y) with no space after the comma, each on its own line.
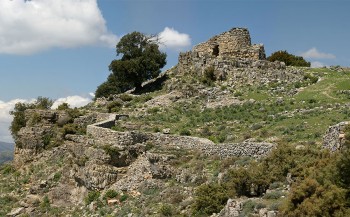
(16,212)
(232,208)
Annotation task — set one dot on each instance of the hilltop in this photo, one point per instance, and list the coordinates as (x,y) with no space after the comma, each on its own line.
(225,131)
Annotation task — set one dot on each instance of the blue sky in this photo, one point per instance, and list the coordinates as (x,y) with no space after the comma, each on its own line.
(62,49)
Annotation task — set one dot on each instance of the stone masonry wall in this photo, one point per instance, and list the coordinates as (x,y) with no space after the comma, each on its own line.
(234,58)
(334,137)
(104,136)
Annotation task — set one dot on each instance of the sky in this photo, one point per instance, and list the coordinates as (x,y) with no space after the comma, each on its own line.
(62,49)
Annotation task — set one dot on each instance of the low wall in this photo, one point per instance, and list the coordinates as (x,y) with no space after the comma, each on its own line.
(334,136)
(251,149)
(105,136)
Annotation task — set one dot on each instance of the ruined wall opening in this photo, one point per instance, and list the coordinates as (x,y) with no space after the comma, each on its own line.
(216,50)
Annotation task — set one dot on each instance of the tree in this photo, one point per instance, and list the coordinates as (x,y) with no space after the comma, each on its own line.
(288,59)
(141,60)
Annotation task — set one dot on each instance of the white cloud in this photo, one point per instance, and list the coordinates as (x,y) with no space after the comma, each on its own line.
(27,27)
(6,118)
(313,53)
(317,64)
(172,39)
(73,101)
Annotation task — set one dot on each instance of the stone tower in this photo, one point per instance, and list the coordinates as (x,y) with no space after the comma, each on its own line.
(232,48)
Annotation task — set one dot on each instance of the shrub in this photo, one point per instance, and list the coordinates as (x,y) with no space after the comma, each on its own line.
(288,59)
(110,194)
(153,110)
(149,146)
(166,210)
(248,207)
(312,79)
(57,177)
(45,204)
(237,93)
(210,198)
(111,151)
(297,84)
(123,198)
(185,132)
(92,196)
(19,120)
(63,106)
(73,129)
(43,103)
(126,97)
(114,106)
(249,181)
(209,76)
(35,119)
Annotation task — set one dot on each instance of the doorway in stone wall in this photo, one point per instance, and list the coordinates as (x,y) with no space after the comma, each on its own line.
(216,50)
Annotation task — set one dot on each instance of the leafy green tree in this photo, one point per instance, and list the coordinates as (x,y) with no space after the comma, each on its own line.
(19,120)
(288,59)
(141,60)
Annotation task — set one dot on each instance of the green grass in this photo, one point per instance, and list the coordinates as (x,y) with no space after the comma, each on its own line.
(262,119)
(325,91)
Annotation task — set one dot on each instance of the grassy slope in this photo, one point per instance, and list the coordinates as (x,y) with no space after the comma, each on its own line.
(301,118)
(263,120)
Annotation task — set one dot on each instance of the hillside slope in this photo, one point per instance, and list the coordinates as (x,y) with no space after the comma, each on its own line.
(253,138)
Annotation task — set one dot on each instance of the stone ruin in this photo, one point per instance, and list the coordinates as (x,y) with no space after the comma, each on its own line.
(232,53)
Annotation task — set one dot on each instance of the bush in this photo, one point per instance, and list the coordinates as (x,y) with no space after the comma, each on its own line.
(73,129)
(249,181)
(43,103)
(92,196)
(45,204)
(166,210)
(248,207)
(123,198)
(209,76)
(185,132)
(57,177)
(114,106)
(113,152)
(288,59)
(19,120)
(110,194)
(210,198)
(63,106)
(126,97)
(312,79)
(237,93)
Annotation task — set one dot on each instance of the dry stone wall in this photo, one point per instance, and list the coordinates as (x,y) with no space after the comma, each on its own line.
(334,137)
(104,136)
